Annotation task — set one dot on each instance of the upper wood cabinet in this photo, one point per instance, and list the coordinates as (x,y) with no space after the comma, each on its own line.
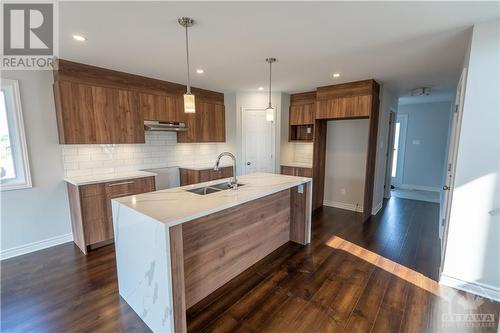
(207,124)
(345,101)
(100,115)
(302,108)
(301,116)
(161,107)
(100,106)
(345,107)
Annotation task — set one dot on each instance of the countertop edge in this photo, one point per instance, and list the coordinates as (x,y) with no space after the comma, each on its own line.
(188,218)
(135,175)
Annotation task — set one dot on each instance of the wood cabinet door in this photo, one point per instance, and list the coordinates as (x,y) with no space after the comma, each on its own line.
(302,114)
(206,125)
(287,170)
(75,113)
(89,114)
(95,219)
(344,107)
(305,172)
(295,114)
(161,107)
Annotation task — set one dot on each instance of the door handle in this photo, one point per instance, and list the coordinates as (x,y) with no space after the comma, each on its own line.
(446,188)
(249,163)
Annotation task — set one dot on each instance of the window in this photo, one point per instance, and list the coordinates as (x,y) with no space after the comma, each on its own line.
(14,165)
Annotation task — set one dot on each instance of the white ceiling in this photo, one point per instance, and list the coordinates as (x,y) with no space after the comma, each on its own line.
(403,45)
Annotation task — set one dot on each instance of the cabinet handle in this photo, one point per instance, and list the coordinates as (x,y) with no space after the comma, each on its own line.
(122,183)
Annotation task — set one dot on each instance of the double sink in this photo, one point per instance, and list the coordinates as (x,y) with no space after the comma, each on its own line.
(212,188)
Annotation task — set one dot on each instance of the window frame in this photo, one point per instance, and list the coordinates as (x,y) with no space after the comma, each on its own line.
(17,136)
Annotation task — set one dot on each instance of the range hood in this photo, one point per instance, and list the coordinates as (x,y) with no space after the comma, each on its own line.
(166,126)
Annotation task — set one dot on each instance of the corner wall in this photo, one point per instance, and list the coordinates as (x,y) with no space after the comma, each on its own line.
(41,213)
(472,258)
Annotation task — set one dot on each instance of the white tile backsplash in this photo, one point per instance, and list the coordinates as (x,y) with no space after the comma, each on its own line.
(303,152)
(160,150)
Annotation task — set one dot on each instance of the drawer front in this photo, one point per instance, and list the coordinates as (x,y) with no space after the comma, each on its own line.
(120,188)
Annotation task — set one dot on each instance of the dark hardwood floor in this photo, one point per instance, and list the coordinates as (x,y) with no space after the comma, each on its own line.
(373,277)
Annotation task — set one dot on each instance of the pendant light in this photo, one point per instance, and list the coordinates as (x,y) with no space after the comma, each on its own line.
(270,109)
(189,100)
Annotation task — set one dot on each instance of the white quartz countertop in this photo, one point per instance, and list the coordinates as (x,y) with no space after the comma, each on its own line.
(176,205)
(95,179)
(297,164)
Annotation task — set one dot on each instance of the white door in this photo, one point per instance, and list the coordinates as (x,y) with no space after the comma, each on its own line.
(446,193)
(258,141)
(398,149)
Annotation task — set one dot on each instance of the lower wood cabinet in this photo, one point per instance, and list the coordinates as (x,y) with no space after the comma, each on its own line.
(296,171)
(192,176)
(90,206)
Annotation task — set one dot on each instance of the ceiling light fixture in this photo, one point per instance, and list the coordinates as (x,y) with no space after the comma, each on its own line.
(79,38)
(189,100)
(261,88)
(424,91)
(336,74)
(200,71)
(270,109)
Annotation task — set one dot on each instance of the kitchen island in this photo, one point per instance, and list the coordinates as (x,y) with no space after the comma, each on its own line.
(175,247)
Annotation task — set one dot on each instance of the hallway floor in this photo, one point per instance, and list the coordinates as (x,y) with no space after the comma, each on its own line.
(429,196)
(373,277)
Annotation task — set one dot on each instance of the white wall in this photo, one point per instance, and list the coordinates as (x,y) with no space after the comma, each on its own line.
(426,144)
(472,256)
(346,145)
(41,212)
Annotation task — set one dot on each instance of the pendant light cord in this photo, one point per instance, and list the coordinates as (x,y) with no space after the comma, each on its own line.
(187,59)
(270,67)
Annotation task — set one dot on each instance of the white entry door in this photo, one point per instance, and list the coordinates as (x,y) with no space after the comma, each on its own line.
(446,193)
(258,141)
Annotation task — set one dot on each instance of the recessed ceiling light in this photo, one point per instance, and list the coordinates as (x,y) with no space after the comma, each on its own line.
(79,38)
(261,88)
(200,71)
(336,74)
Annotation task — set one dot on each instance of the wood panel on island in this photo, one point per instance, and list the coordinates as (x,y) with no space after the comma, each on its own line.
(90,207)
(201,242)
(100,106)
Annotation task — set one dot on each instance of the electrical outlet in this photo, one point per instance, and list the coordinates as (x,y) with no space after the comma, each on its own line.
(343,191)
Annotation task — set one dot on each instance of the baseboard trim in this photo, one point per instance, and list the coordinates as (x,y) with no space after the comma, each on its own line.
(35,246)
(343,205)
(475,288)
(377,208)
(418,187)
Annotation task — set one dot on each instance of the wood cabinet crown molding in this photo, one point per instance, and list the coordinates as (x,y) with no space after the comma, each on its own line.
(65,70)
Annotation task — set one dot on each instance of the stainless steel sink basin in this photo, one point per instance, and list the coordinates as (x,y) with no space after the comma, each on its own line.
(212,188)
(225,186)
